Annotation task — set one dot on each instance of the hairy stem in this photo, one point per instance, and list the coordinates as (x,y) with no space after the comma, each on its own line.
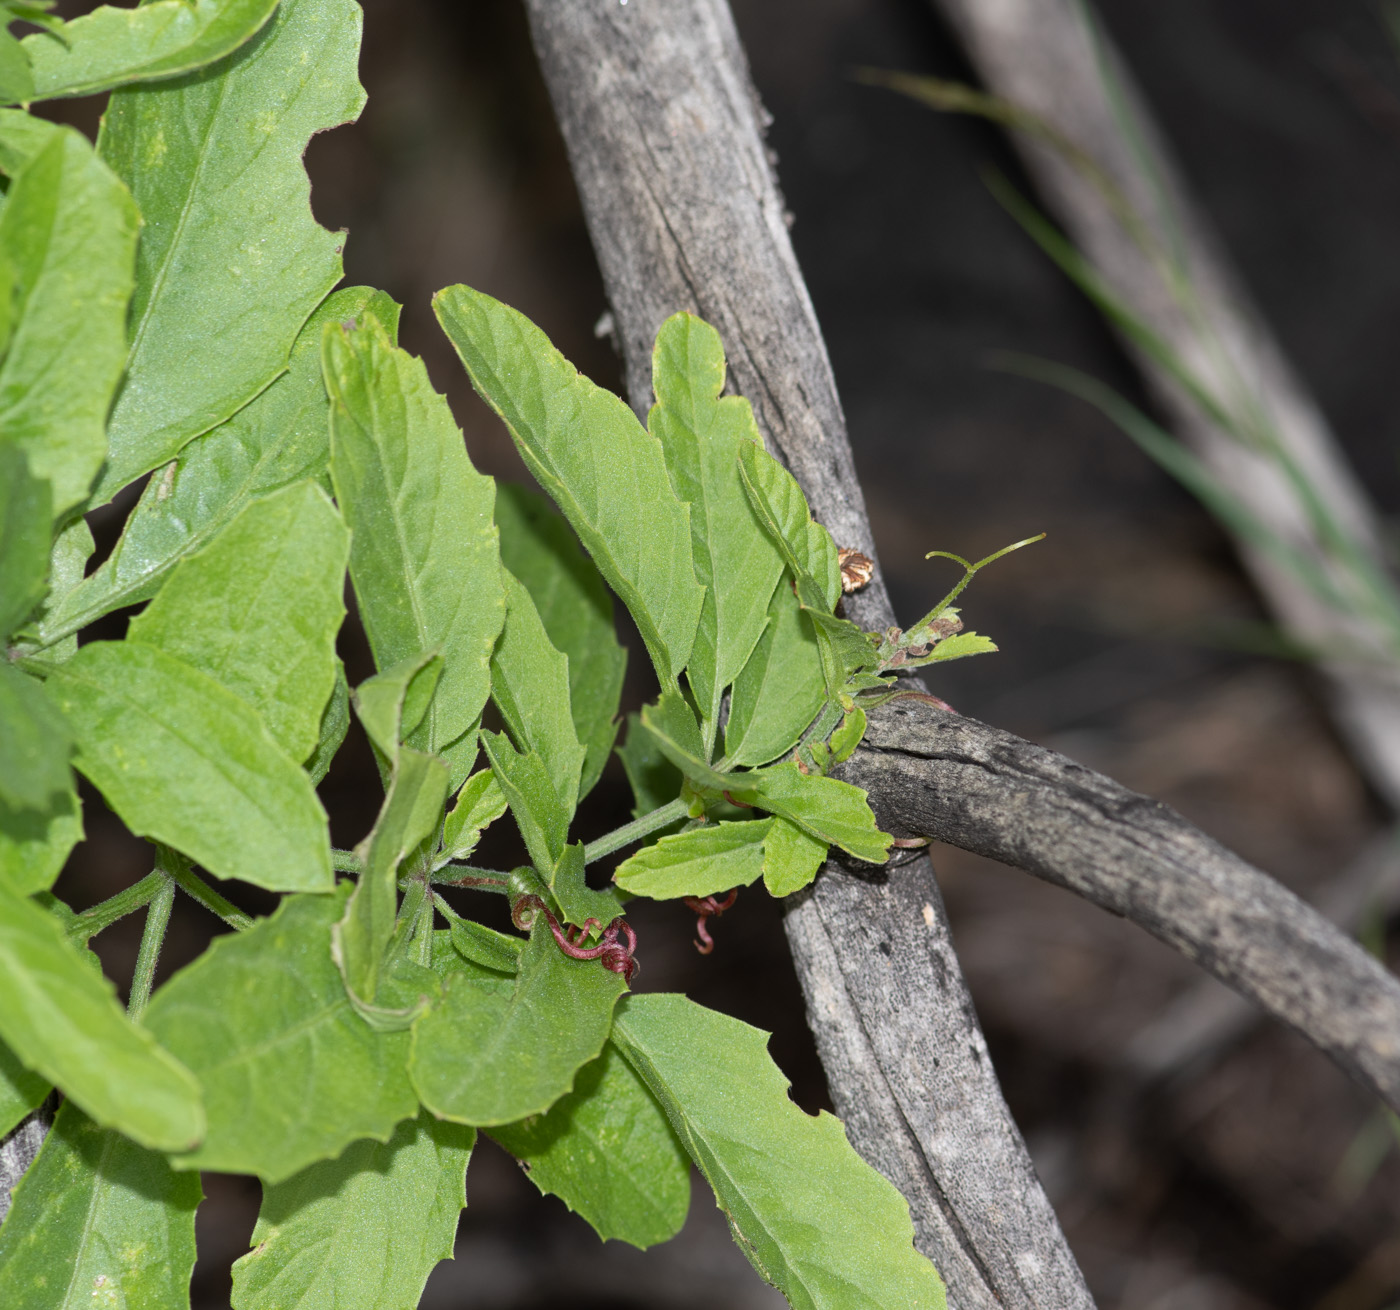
(634,831)
(346,862)
(152,939)
(189,881)
(91,922)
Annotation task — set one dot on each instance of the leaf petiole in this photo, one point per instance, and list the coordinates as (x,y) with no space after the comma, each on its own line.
(634,831)
(190,882)
(89,923)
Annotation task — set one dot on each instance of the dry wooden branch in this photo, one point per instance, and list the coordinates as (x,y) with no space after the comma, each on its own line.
(935,774)
(664,132)
(1044,57)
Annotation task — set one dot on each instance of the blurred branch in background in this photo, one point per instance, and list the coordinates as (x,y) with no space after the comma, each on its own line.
(1253,446)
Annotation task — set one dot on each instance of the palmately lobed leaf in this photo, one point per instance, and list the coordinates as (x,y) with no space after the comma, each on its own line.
(586,449)
(813,1218)
(231,261)
(290,1072)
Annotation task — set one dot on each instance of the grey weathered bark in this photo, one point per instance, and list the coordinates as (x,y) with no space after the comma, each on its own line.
(1201,1024)
(1044,57)
(18,1149)
(664,132)
(934,774)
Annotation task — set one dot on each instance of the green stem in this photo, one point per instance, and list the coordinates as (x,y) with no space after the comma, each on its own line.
(468,875)
(634,831)
(825,724)
(91,922)
(346,862)
(152,939)
(189,881)
(423,934)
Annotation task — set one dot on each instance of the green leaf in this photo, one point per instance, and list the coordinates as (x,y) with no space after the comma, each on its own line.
(63,1021)
(480,803)
(600,466)
(424,555)
(411,811)
(655,780)
(781,689)
(362,1232)
(482,945)
(607,1151)
(258,610)
(68,233)
(291,1074)
(35,843)
(72,548)
(111,47)
(493,1052)
(671,722)
(26,527)
(530,686)
(335,723)
(544,824)
(184,761)
(791,858)
(98,1221)
(21,1090)
(35,743)
(848,736)
(391,704)
(814,1219)
(576,608)
(830,810)
(231,262)
(781,507)
(957,646)
(698,862)
(735,559)
(16,78)
(22,136)
(538,811)
(281,437)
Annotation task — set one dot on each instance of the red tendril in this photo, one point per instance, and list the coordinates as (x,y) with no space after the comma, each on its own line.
(704,907)
(616,957)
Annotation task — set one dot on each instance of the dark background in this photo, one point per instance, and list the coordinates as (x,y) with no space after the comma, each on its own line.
(1256,1178)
